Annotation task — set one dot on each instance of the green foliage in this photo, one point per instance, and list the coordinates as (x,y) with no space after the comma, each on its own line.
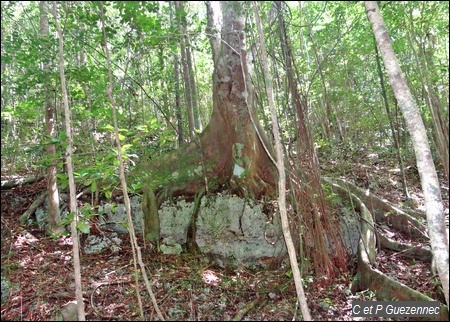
(334,62)
(85,215)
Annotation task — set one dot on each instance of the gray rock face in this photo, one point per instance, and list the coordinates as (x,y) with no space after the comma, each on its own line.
(232,228)
(41,217)
(174,220)
(95,244)
(350,231)
(229,228)
(5,285)
(116,216)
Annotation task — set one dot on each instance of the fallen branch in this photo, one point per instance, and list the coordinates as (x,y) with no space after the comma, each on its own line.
(8,184)
(39,201)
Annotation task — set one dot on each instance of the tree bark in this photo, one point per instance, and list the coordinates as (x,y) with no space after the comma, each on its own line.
(72,188)
(137,258)
(176,81)
(425,165)
(54,216)
(188,92)
(177,99)
(193,83)
(282,175)
(234,110)
(232,152)
(391,124)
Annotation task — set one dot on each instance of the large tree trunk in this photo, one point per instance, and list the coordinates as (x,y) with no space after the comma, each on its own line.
(230,152)
(425,165)
(234,117)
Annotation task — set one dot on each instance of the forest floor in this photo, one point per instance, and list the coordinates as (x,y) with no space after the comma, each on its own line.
(187,287)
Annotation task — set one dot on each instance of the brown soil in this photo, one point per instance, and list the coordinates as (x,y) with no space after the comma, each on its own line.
(187,287)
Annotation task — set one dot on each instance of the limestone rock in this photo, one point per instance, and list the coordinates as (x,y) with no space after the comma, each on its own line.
(96,244)
(237,230)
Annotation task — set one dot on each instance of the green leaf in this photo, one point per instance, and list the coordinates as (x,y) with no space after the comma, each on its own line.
(125,147)
(83,227)
(64,184)
(69,217)
(61,176)
(136,186)
(107,128)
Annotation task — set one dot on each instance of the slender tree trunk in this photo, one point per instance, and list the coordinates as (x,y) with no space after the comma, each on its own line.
(186,77)
(193,83)
(54,216)
(176,79)
(176,62)
(331,121)
(440,127)
(425,165)
(391,124)
(72,188)
(317,218)
(4,91)
(136,249)
(282,175)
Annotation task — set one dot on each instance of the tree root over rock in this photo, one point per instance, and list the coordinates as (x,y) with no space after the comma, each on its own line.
(368,276)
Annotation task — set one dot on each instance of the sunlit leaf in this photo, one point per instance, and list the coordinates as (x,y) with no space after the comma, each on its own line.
(83,227)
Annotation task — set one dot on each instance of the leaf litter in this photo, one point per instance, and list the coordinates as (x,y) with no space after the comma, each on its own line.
(187,287)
